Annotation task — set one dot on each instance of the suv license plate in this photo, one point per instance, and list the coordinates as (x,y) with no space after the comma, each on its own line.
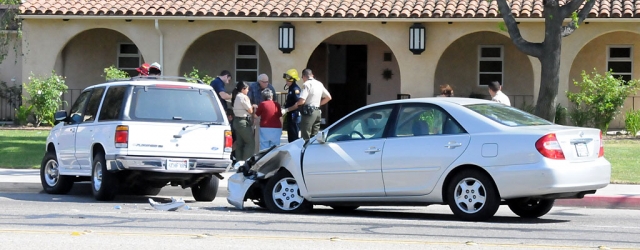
(581,149)
(177,164)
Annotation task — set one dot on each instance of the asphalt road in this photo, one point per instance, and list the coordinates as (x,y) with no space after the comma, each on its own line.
(33,220)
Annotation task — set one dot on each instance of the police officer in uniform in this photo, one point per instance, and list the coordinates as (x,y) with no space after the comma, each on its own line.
(291,108)
(313,95)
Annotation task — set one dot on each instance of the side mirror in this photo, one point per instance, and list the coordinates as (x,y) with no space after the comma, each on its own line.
(60,116)
(321,137)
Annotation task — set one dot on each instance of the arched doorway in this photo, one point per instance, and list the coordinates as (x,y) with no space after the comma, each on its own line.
(358,69)
(473,60)
(83,59)
(226,50)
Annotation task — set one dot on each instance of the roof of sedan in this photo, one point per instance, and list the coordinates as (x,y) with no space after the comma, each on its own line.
(454,100)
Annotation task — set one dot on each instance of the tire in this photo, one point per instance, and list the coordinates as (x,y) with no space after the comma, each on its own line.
(472,196)
(206,189)
(104,184)
(530,208)
(282,195)
(345,208)
(52,181)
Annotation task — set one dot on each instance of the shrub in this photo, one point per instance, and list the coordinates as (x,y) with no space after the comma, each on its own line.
(195,74)
(561,115)
(45,96)
(580,117)
(632,122)
(22,114)
(112,72)
(601,97)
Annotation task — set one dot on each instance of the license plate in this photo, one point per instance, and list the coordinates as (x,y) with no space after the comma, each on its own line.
(177,164)
(581,149)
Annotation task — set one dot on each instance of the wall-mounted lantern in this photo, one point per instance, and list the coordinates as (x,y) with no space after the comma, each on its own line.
(416,38)
(286,38)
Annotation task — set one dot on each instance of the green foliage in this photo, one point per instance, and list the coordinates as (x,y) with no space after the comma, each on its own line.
(434,119)
(561,115)
(574,18)
(45,96)
(9,20)
(580,117)
(502,26)
(22,114)
(632,122)
(197,75)
(600,98)
(529,108)
(13,94)
(112,73)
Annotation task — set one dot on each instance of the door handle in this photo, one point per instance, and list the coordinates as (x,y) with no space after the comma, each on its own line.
(372,150)
(452,144)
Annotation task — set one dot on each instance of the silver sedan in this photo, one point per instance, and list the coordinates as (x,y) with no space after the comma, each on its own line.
(471,154)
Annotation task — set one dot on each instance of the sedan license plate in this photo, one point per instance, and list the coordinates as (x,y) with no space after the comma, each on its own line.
(177,164)
(581,149)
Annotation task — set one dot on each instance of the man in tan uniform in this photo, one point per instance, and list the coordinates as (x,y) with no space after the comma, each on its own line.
(313,95)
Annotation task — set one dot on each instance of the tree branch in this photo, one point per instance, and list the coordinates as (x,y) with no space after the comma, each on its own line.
(567,9)
(529,48)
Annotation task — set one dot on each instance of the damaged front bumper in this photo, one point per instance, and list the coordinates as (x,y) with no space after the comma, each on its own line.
(238,187)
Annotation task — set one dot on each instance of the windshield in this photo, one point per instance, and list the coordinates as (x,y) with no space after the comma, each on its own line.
(507,115)
(175,104)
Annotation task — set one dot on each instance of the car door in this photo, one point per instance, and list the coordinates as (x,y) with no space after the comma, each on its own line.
(348,163)
(67,137)
(424,141)
(84,134)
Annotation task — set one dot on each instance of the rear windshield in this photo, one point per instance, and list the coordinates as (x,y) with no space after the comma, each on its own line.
(175,104)
(507,115)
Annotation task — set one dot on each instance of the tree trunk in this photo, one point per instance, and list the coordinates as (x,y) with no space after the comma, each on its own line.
(550,63)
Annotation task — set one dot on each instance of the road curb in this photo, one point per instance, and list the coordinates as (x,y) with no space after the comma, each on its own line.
(603,201)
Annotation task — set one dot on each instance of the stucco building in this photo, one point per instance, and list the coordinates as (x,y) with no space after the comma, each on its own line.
(359,49)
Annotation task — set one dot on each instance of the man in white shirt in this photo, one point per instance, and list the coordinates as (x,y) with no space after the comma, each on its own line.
(497,95)
(313,95)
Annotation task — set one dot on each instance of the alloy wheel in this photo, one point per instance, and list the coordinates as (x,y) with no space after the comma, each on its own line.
(52,175)
(97,176)
(470,195)
(286,194)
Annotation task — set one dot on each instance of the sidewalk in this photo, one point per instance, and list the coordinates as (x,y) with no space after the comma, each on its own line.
(612,196)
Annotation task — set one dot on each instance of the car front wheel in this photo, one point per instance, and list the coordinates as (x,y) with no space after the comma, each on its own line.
(530,208)
(52,181)
(282,195)
(103,183)
(472,196)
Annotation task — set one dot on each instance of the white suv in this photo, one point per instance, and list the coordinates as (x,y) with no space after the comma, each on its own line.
(140,135)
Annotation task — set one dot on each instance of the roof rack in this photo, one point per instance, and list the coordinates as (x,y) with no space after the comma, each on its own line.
(166,78)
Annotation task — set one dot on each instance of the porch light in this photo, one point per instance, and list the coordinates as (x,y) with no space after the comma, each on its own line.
(416,38)
(286,38)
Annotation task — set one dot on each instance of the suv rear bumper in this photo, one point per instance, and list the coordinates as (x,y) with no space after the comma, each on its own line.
(158,164)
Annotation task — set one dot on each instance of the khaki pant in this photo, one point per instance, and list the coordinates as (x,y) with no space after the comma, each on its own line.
(310,124)
(245,141)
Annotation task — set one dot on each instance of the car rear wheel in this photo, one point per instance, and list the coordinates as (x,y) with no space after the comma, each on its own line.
(52,181)
(206,189)
(472,196)
(104,184)
(530,208)
(282,195)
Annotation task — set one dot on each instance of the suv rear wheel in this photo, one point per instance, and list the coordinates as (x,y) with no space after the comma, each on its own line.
(103,183)
(206,189)
(52,181)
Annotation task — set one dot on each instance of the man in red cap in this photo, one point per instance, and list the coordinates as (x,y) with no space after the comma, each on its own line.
(143,70)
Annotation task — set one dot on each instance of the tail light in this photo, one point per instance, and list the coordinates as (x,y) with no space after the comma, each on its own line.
(601,152)
(549,147)
(228,141)
(122,136)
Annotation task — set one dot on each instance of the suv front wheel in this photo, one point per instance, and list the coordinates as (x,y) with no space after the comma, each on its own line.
(52,181)
(103,183)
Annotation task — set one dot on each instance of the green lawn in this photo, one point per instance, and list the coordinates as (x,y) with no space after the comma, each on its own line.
(25,148)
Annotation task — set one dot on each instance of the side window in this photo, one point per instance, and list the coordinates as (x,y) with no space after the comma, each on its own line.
(419,120)
(367,124)
(75,114)
(112,105)
(93,105)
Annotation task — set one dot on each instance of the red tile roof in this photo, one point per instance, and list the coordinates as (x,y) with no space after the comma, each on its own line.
(312,8)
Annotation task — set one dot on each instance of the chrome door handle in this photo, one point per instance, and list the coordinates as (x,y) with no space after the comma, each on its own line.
(453,145)
(372,150)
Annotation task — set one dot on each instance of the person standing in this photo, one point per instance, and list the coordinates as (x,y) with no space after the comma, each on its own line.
(270,125)
(155,69)
(446,91)
(313,95)
(244,143)
(291,112)
(256,97)
(218,86)
(495,90)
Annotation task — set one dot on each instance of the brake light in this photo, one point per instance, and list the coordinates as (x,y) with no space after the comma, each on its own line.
(549,147)
(601,152)
(122,136)
(228,141)
(170,86)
